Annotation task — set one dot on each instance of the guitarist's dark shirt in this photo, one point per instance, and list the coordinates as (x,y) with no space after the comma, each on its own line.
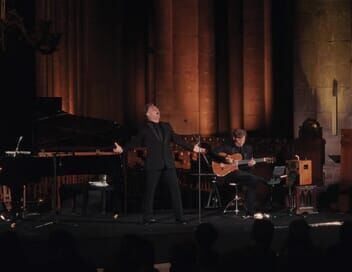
(246,151)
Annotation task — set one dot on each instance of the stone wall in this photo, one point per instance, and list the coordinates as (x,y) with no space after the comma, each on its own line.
(322,68)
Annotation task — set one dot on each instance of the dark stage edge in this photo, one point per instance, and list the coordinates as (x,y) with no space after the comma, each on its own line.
(98,235)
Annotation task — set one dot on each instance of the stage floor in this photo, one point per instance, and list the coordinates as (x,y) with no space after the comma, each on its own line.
(98,235)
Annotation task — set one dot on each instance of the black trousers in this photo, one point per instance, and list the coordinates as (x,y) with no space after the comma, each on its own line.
(250,181)
(153,177)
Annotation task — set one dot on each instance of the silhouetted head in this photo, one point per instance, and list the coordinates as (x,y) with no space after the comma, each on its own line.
(262,232)
(10,243)
(61,243)
(299,232)
(206,235)
(136,253)
(12,257)
(183,257)
(346,233)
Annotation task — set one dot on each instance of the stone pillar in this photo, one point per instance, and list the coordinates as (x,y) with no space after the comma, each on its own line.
(185,98)
(268,84)
(235,25)
(184,65)
(305,63)
(253,64)
(164,57)
(207,99)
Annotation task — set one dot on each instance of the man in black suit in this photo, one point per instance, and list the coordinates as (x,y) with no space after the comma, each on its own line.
(156,136)
(243,175)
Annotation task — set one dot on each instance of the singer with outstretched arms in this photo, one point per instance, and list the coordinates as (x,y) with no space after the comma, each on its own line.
(156,137)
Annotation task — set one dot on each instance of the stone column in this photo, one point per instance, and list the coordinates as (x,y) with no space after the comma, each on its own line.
(207,99)
(235,26)
(253,64)
(185,39)
(184,65)
(305,62)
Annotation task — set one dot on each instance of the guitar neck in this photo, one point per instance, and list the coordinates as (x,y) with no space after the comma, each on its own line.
(243,162)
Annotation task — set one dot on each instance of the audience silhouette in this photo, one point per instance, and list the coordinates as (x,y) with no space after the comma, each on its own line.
(260,256)
(184,257)
(63,254)
(338,255)
(135,254)
(208,258)
(298,252)
(12,257)
(200,254)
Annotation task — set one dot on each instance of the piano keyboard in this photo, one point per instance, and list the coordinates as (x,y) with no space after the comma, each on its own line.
(76,153)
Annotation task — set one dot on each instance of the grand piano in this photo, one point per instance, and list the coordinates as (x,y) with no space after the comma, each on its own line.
(58,144)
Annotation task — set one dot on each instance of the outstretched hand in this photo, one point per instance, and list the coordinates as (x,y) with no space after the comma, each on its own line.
(117,149)
(198,149)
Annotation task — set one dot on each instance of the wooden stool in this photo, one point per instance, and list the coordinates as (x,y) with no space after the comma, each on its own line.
(72,191)
(103,191)
(100,184)
(232,206)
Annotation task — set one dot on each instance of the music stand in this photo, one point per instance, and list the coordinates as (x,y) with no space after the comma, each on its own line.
(279,173)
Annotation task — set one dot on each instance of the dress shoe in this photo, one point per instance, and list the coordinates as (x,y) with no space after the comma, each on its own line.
(5,217)
(248,215)
(149,221)
(266,215)
(260,215)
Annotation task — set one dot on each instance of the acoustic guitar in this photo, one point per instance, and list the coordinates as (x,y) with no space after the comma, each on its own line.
(235,160)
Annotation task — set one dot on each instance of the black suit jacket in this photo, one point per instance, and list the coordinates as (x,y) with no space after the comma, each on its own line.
(159,153)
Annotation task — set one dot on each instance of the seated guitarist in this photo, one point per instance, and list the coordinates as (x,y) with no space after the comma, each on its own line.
(242,175)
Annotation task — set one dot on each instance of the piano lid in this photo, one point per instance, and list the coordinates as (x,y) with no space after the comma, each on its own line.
(61,131)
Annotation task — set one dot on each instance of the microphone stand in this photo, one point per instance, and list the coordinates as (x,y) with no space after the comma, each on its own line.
(200,174)
(16,201)
(199,186)
(17,211)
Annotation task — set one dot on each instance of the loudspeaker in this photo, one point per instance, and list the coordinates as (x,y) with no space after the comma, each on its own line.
(299,172)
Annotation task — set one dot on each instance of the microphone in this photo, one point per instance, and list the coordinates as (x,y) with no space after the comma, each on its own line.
(16,151)
(18,144)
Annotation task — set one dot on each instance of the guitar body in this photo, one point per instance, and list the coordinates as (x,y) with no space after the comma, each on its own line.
(222,169)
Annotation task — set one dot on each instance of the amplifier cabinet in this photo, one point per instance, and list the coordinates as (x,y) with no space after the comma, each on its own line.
(299,172)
